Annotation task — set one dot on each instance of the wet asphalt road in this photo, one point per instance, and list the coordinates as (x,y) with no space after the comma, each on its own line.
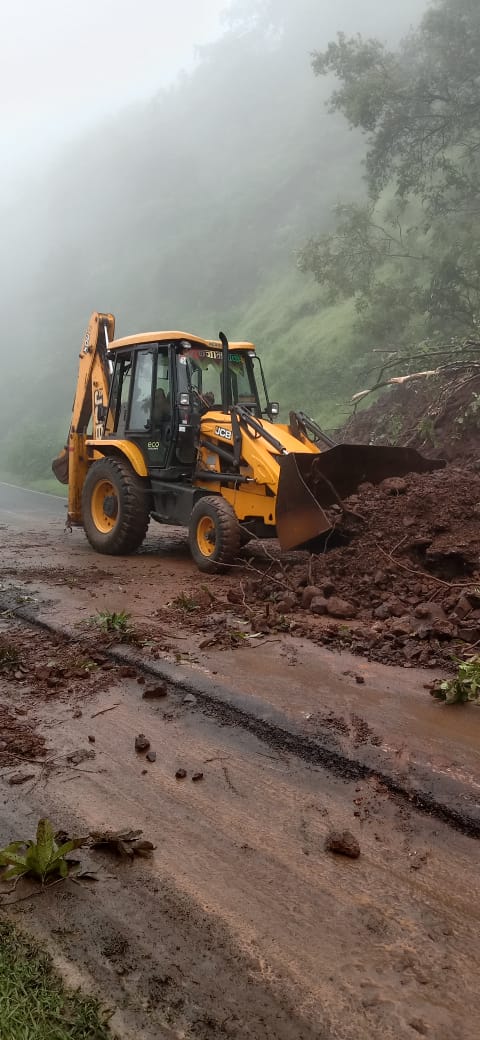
(19,502)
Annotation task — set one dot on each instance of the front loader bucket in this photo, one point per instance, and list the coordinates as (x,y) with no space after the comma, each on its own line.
(311,483)
(299,516)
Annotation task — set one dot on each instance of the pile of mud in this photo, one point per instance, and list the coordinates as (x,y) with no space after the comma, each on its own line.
(439,415)
(405,585)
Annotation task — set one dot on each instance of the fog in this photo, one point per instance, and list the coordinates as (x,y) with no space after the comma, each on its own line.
(64,65)
(162,161)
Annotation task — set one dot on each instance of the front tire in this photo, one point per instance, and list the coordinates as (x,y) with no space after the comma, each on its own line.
(214,533)
(115,507)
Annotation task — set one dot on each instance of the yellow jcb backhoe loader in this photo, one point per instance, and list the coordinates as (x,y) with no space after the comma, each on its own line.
(181,429)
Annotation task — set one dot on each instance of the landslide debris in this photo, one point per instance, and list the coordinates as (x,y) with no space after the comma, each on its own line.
(404,587)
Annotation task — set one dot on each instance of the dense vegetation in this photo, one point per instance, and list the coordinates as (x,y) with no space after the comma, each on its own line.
(408,255)
(213,206)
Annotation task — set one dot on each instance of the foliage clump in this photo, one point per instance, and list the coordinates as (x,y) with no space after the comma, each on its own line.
(116,623)
(464,687)
(408,255)
(39,858)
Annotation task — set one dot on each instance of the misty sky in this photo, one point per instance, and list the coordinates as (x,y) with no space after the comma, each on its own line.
(65,62)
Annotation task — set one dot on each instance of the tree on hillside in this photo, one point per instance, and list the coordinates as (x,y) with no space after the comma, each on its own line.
(409,255)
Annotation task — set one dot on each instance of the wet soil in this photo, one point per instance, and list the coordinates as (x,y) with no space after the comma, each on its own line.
(243,924)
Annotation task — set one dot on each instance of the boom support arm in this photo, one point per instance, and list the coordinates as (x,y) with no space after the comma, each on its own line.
(89,404)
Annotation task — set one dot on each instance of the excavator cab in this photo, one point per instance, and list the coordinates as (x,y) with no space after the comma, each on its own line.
(145,406)
(161,390)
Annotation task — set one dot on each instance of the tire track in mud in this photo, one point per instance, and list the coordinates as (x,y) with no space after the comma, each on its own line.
(268,725)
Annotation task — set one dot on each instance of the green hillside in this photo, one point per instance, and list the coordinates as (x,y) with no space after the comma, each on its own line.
(211,206)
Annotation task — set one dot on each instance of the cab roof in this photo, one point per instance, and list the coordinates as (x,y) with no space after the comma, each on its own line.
(162,337)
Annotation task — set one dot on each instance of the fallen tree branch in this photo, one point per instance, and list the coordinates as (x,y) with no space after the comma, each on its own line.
(424,574)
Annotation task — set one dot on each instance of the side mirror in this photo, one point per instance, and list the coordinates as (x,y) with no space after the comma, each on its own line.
(274,408)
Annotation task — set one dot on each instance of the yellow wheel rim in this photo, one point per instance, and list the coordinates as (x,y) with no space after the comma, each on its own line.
(104,506)
(206,536)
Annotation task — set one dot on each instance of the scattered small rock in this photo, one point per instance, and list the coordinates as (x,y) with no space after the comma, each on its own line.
(359,679)
(141,742)
(342,843)
(196,777)
(91,738)
(189,699)
(144,772)
(20,778)
(126,671)
(77,713)
(151,756)
(180,774)
(155,692)
(141,680)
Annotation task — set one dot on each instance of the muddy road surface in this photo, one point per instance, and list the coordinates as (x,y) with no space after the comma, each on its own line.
(240,924)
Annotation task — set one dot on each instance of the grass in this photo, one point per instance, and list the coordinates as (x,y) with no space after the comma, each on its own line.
(116,623)
(34,1004)
(312,355)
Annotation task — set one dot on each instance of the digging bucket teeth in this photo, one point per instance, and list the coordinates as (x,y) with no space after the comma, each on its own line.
(311,483)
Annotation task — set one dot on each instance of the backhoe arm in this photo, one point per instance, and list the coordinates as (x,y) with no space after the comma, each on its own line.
(89,405)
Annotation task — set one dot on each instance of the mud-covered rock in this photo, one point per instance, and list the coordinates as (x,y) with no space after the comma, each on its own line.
(153,693)
(462,607)
(340,608)
(318,605)
(309,593)
(401,626)
(142,742)
(469,632)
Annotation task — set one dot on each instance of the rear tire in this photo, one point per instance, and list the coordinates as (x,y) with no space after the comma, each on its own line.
(115,507)
(214,533)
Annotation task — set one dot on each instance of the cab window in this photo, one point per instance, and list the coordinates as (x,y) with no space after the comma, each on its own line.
(141,406)
(162,398)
